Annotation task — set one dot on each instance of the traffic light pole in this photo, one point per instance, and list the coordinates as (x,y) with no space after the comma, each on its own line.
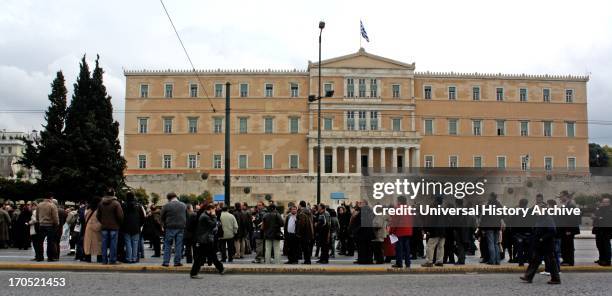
(226,182)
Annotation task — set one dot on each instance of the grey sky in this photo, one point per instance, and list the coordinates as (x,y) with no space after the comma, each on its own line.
(37,38)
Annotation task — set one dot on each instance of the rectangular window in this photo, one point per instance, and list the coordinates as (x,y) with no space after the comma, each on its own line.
(327,87)
(523,95)
(396,124)
(524,128)
(570,128)
(143,125)
(294,161)
(192,161)
(571,163)
(269,90)
(169,90)
(244,90)
(218,125)
(569,95)
(524,162)
(193,90)
(362,88)
(429,127)
(268,125)
(142,161)
(294,125)
(374,120)
(350,120)
(452,93)
(294,90)
(452,127)
(167,125)
(453,161)
(548,163)
(193,125)
(546,94)
(167,161)
(477,162)
(243,123)
(500,94)
(350,87)
(501,127)
(373,88)
(217,161)
(547,128)
(476,127)
(144,90)
(218,90)
(362,120)
(501,162)
(429,161)
(427,92)
(395,90)
(242,161)
(476,93)
(268,162)
(328,124)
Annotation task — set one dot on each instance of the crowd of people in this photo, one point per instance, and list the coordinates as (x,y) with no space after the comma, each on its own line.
(108,230)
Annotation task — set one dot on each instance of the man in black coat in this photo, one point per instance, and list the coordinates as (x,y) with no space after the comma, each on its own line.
(205,242)
(361,227)
(544,243)
(602,228)
(569,229)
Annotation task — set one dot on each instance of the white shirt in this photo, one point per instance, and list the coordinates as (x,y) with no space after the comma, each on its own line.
(291,223)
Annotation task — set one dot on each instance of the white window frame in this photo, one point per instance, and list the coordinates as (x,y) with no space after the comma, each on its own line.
(297,92)
(189,119)
(474,161)
(146,125)
(291,118)
(399,91)
(271,161)
(544,99)
(552,163)
(456,120)
(497,158)
(521,128)
(264,125)
(220,163)
(221,127)
(569,168)
(140,161)
(448,92)
(479,93)
(218,95)
(164,161)
(526,94)
(246,120)
(544,128)
(166,90)
(450,162)
(480,127)
(350,93)
(266,90)
(247,90)
(297,164)
(433,124)
(146,95)
(393,124)
(433,161)
(331,127)
(527,163)
(567,124)
(572,97)
(246,161)
(195,161)
(197,90)
(503,94)
(497,127)
(164,119)
(431,95)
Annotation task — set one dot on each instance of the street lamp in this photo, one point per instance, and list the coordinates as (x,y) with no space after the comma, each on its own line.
(311,99)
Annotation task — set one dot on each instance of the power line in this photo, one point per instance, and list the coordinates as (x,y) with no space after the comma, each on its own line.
(188,57)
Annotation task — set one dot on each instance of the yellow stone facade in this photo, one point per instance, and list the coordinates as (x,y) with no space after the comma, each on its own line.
(383,114)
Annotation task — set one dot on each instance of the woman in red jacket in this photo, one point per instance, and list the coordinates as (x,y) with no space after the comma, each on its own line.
(401,226)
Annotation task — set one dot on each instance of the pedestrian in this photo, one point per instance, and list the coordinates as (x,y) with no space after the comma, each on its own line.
(5,225)
(22,229)
(110,215)
(205,240)
(435,231)
(292,244)
(33,226)
(244,225)
(174,219)
(305,232)
(258,237)
(92,239)
(602,228)
(569,229)
(491,226)
(522,235)
(226,241)
(154,230)
(361,228)
(134,218)
(545,230)
(271,228)
(323,233)
(47,218)
(401,227)
(189,237)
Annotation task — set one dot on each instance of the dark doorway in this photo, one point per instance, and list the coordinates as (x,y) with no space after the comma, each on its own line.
(328,164)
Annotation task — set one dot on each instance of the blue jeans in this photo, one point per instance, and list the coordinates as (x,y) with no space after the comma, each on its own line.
(131,246)
(493,246)
(402,251)
(109,241)
(176,236)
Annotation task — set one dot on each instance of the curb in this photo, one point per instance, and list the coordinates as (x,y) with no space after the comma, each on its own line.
(292,270)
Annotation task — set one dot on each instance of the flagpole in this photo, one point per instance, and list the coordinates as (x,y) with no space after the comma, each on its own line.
(359,34)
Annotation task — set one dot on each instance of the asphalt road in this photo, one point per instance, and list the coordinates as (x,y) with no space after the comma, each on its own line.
(81,283)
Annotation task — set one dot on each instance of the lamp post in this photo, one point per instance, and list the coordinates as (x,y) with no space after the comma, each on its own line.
(311,99)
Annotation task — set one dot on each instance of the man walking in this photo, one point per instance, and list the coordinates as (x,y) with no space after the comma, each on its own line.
(544,248)
(110,216)
(205,242)
(174,219)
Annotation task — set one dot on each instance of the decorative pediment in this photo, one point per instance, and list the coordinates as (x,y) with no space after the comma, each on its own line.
(363,60)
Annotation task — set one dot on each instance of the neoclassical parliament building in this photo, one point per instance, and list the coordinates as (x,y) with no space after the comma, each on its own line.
(383,115)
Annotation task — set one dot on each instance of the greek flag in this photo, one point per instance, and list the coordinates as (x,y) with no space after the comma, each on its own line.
(364,34)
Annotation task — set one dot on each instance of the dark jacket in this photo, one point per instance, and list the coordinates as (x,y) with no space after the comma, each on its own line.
(207,225)
(272,224)
(304,226)
(191,227)
(602,221)
(110,213)
(174,215)
(245,225)
(133,218)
